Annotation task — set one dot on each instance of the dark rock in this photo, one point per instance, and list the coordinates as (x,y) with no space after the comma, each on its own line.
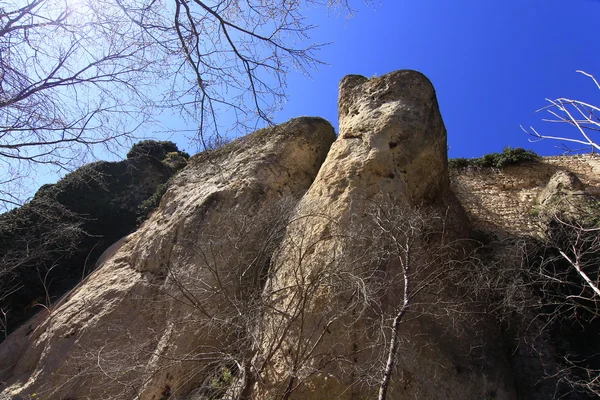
(51,243)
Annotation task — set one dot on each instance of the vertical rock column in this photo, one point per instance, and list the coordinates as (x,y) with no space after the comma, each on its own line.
(324,337)
(392,131)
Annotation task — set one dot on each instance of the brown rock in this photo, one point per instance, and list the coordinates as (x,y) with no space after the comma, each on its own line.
(561,183)
(164,312)
(334,286)
(566,196)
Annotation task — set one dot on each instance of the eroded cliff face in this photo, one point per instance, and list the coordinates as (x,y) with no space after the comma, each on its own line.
(337,281)
(164,311)
(60,233)
(504,201)
(283,266)
(531,217)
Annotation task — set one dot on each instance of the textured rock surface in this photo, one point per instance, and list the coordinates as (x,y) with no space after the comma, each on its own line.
(157,318)
(393,126)
(60,233)
(319,344)
(513,206)
(566,195)
(217,290)
(503,202)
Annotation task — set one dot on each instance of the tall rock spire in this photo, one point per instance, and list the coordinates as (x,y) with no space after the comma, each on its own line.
(339,278)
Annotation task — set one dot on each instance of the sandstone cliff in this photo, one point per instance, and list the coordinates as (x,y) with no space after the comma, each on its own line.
(323,343)
(159,315)
(290,264)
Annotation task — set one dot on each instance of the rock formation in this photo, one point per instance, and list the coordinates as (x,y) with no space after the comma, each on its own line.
(166,310)
(58,235)
(293,265)
(566,195)
(515,211)
(326,339)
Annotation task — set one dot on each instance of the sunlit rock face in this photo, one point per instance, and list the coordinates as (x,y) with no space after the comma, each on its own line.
(171,304)
(274,268)
(337,282)
(394,124)
(567,196)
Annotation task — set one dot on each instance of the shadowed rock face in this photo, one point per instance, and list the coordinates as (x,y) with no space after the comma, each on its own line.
(171,302)
(325,338)
(60,233)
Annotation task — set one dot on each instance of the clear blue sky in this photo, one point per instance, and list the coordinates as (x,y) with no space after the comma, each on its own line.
(492,63)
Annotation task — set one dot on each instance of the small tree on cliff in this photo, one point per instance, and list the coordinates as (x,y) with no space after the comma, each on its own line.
(362,278)
(404,229)
(566,276)
(545,292)
(564,269)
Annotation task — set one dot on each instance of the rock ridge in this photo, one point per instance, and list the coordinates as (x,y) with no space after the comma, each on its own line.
(170,290)
(291,264)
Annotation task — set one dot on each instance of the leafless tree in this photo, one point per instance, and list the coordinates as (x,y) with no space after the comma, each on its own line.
(222,318)
(569,277)
(69,83)
(581,115)
(76,76)
(405,229)
(227,56)
(333,296)
(207,303)
(544,291)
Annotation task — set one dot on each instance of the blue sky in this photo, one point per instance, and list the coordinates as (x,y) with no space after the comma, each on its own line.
(492,63)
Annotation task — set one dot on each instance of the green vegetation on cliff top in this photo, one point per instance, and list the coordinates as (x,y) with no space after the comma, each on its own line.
(509,156)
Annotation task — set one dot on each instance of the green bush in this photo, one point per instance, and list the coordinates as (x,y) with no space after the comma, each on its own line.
(151,203)
(509,156)
(223,381)
(153,148)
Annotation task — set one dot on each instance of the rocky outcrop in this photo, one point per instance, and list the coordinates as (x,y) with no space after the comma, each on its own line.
(514,211)
(504,202)
(51,243)
(287,265)
(566,196)
(392,126)
(338,281)
(171,305)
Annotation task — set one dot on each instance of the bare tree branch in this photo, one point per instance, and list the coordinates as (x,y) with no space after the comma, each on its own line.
(583,116)
(83,76)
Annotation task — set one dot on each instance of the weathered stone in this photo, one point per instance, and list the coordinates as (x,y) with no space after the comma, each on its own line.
(390,158)
(562,183)
(164,311)
(505,202)
(519,203)
(566,196)
(393,125)
(208,299)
